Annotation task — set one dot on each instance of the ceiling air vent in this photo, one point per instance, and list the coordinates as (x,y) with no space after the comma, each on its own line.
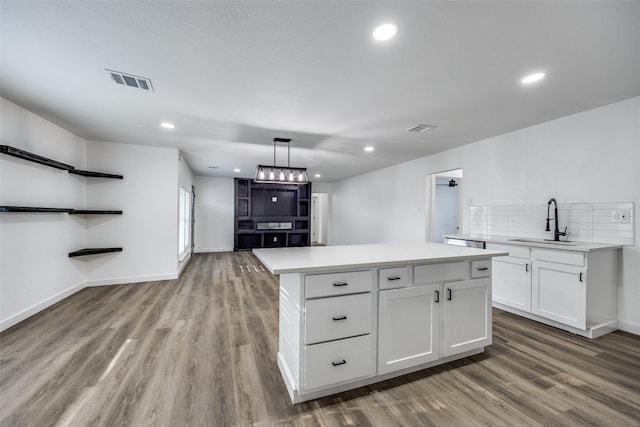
(130,80)
(420,128)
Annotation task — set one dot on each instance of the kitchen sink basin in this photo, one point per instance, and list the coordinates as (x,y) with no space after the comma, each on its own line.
(545,242)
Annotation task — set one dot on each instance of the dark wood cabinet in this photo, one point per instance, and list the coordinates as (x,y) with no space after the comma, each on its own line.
(271,215)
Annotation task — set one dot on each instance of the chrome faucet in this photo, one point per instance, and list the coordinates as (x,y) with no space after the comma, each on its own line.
(556,232)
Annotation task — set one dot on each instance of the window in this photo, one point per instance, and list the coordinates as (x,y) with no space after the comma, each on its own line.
(184,237)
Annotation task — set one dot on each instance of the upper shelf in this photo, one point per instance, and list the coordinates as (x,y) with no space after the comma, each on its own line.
(16,152)
(95,174)
(95,212)
(33,209)
(59,210)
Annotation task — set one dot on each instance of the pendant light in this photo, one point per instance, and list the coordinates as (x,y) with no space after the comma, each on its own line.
(281,174)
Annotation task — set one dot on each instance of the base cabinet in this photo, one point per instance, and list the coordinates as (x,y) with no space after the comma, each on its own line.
(421,324)
(512,282)
(466,316)
(345,329)
(560,293)
(408,327)
(572,290)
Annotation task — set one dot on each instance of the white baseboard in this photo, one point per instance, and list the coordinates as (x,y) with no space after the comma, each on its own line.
(205,250)
(19,317)
(126,280)
(632,328)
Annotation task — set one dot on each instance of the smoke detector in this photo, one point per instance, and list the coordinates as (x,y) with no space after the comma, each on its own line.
(420,128)
(130,80)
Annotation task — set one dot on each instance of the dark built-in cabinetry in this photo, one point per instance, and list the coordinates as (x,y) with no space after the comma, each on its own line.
(271,215)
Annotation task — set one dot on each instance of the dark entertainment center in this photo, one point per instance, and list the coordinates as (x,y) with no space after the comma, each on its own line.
(271,215)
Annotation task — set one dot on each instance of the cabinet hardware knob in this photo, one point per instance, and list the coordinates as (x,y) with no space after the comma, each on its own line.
(437,296)
(449,294)
(340,318)
(393,278)
(340,284)
(342,362)
(483,268)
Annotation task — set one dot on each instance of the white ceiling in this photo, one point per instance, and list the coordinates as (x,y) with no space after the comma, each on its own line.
(234,75)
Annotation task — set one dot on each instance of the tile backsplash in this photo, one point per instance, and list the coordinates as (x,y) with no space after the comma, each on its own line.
(585,222)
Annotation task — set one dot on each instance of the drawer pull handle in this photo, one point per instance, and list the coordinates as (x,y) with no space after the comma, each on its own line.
(342,362)
(526,267)
(340,284)
(580,278)
(340,318)
(393,278)
(448,294)
(483,268)
(437,296)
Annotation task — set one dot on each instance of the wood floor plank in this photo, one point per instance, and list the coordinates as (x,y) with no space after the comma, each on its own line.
(201,351)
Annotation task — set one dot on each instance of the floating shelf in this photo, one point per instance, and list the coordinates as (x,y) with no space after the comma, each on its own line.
(16,152)
(95,174)
(93,251)
(34,209)
(94,212)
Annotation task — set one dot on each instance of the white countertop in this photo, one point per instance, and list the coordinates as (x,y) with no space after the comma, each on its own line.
(328,258)
(533,242)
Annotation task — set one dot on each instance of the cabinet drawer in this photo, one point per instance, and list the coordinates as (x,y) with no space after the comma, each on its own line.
(396,277)
(337,317)
(339,361)
(432,273)
(514,250)
(559,256)
(481,268)
(350,282)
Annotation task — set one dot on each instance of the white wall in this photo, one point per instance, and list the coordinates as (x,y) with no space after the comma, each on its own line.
(35,270)
(214,214)
(147,230)
(590,156)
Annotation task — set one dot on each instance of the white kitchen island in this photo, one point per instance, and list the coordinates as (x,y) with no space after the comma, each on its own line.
(358,314)
(355,315)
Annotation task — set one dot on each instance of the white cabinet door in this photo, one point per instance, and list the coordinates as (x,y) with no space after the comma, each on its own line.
(408,327)
(466,316)
(511,284)
(560,293)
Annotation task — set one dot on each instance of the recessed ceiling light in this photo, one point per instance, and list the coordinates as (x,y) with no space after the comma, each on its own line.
(531,78)
(369,148)
(317,175)
(385,32)
(236,170)
(167,125)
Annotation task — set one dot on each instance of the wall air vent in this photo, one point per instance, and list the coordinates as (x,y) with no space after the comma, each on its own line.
(130,80)
(420,128)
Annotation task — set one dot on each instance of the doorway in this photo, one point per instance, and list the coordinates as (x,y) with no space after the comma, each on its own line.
(445,190)
(319,218)
(193,219)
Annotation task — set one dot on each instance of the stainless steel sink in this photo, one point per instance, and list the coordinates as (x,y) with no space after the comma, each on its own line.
(545,242)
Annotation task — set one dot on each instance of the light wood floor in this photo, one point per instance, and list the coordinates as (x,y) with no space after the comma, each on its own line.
(201,351)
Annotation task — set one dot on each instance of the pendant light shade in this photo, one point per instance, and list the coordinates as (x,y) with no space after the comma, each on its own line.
(281,174)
